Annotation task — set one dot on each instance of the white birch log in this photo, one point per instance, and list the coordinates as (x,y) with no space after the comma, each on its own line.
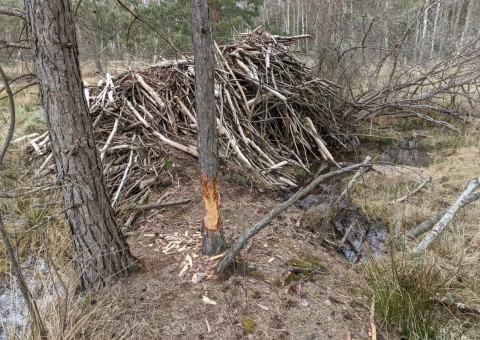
(452,210)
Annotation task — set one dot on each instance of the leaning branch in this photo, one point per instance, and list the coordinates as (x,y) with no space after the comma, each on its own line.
(425,225)
(442,223)
(11,126)
(243,239)
(31,305)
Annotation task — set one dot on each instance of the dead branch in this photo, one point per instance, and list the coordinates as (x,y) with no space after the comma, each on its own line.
(411,193)
(12,12)
(460,306)
(31,304)
(156,205)
(229,257)
(11,126)
(448,216)
(427,224)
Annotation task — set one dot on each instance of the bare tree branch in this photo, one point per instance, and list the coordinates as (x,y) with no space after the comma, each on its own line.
(447,217)
(136,16)
(32,306)
(12,12)
(10,44)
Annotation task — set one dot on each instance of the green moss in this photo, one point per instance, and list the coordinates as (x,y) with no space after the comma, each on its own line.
(248,325)
(302,263)
(386,140)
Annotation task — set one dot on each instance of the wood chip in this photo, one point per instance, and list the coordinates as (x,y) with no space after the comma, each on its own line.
(262,307)
(209,329)
(189,260)
(208,301)
(216,257)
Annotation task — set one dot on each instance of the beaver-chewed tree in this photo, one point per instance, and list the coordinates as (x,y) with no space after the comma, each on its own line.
(207,142)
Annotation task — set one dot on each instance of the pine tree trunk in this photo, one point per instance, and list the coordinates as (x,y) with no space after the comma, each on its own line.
(207,143)
(101,252)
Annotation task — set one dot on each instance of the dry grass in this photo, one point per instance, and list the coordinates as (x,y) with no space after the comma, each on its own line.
(457,251)
(157,303)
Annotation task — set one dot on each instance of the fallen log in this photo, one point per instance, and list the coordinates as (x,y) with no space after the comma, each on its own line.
(447,217)
(427,224)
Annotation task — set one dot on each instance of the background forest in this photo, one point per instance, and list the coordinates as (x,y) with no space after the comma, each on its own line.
(393,84)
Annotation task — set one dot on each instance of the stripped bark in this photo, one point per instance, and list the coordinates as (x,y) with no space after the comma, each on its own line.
(425,225)
(213,241)
(448,216)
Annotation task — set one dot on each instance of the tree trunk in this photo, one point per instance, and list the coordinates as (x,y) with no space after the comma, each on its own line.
(101,252)
(207,143)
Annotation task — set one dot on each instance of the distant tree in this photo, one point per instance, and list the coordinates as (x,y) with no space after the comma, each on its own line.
(213,241)
(101,252)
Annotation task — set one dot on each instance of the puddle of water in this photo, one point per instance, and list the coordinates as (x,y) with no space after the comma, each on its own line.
(404,152)
(14,315)
(365,237)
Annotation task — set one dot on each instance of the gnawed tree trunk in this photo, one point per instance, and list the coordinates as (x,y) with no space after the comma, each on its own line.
(101,252)
(213,241)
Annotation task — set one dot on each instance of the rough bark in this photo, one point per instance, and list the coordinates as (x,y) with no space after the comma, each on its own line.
(101,252)
(207,143)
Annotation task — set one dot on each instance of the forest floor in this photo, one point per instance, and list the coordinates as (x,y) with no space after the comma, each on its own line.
(255,299)
(260,298)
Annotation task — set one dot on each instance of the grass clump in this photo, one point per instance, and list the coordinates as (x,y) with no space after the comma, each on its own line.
(403,292)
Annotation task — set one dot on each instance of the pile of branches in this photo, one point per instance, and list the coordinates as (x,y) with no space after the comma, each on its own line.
(273,116)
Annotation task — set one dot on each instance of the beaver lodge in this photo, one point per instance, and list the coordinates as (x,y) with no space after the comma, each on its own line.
(274,116)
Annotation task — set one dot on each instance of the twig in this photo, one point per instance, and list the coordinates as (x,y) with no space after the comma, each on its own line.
(408,194)
(352,182)
(109,140)
(447,217)
(124,178)
(156,205)
(149,26)
(244,237)
(373,328)
(11,126)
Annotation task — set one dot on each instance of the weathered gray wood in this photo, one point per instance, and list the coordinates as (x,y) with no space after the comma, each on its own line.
(427,224)
(447,217)
(101,251)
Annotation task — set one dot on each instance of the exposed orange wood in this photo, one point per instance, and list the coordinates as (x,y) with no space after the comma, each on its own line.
(211,198)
